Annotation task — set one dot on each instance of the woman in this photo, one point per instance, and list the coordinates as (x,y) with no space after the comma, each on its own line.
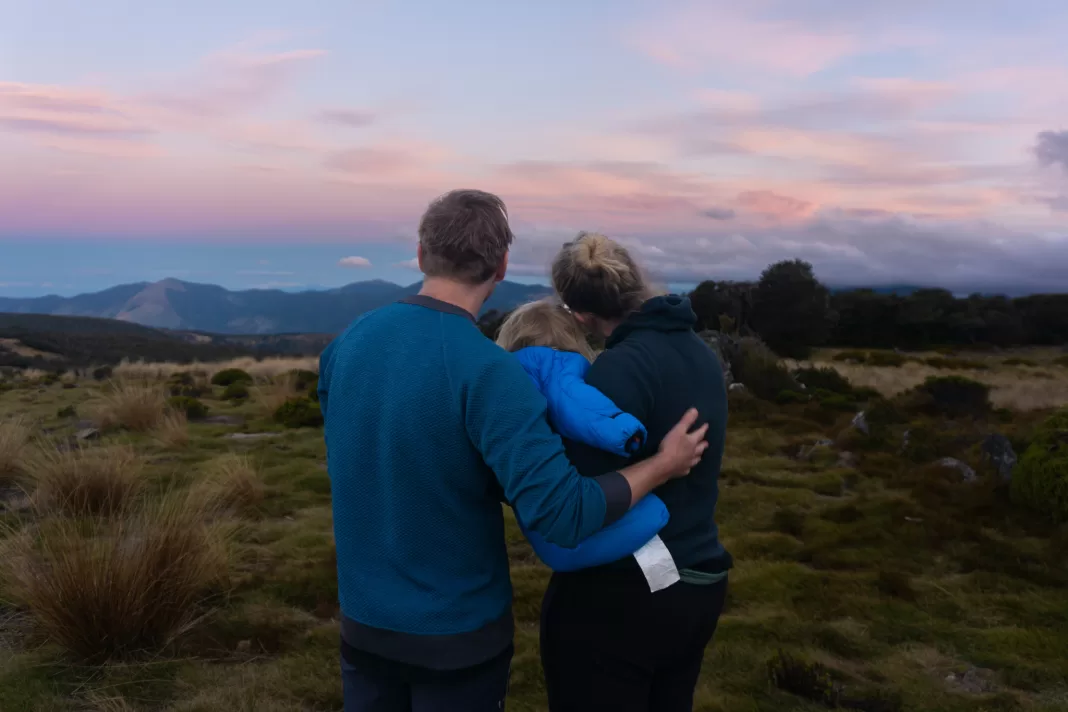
(611,638)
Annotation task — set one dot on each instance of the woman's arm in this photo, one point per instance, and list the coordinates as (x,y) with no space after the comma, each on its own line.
(614,542)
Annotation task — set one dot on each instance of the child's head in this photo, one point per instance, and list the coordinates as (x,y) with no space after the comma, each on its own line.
(544,323)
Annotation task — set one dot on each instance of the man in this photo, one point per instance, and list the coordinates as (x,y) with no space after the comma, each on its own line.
(429,426)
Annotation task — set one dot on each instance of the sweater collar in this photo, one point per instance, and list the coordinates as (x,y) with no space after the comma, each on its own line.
(421,300)
(667,313)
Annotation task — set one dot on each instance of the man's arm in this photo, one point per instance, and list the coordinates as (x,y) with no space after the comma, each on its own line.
(505,417)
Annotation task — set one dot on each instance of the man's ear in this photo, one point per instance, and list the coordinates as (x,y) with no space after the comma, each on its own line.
(502,270)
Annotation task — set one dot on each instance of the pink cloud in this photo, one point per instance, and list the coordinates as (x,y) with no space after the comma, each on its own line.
(768,204)
(353,118)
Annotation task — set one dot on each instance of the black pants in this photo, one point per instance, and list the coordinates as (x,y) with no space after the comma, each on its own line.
(377,686)
(608,643)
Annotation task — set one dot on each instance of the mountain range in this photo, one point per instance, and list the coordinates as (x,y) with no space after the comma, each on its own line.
(186,306)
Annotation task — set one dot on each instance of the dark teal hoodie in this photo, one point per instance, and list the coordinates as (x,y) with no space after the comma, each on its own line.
(655,367)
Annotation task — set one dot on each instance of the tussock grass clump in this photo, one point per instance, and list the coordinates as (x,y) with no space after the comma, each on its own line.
(14,439)
(234,483)
(228,376)
(193,408)
(172,430)
(137,406)
(299,413)
(274,394)
(84,481)
(763,374)
(118,588)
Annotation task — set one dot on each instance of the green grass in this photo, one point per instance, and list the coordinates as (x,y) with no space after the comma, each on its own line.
(890,576)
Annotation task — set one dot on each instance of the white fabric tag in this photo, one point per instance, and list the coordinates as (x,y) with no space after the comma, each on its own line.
(657,565)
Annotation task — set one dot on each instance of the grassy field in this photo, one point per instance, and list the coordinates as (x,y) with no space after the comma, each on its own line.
(881,579)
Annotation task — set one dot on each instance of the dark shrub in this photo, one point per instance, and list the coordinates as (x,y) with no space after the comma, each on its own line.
(791,397)
(760,370)
(956,395)
(957,364)
(837,402)
(851,356)
(1018,362)
(68,412)
(1061,361)
(303,379)
(230,375)
(102,374)
(313,392)
(235,392)
(788,521)
(886,358)
(192,407)
(826,378)
(299,413)
(865,393)
(1040,480)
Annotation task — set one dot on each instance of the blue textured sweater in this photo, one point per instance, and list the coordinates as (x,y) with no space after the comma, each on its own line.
(429,426)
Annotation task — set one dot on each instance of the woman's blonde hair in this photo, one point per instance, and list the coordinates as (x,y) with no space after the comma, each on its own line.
(594,274)
(544,323)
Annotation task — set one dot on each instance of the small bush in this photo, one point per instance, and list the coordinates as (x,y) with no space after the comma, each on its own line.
(193,408)
(102,373)
(956,364)
(760,370)
(84,481)
(828,379)
(1040,480)
(886,359)
(130,405)
(1019,362)
(14,439)
(230,375)
(851,356)
(791,397)
(313,392)
(118,588)
(838,403)
(956,395)
(1061,361)
(299,413)
(304,379)
(173,430)
(236,392)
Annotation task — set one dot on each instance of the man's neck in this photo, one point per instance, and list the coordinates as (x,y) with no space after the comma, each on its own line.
(468,297)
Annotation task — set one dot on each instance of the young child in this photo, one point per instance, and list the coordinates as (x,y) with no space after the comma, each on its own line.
(552,347)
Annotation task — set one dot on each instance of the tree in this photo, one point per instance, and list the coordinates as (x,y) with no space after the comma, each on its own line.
(791,309)
(712,300)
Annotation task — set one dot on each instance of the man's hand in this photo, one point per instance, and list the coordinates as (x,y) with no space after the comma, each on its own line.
(682,449)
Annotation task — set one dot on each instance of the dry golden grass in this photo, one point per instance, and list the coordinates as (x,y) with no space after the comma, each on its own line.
(233,483)
(14,439)
(261,371)
(172,431)
(112,588)
(85,480)
(33,374)
(272,395)
(134,405)
(1018,388)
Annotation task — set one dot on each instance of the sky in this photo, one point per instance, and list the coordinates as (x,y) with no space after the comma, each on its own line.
(271,143)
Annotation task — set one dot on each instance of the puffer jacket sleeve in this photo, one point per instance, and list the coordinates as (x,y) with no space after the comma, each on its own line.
(578,411)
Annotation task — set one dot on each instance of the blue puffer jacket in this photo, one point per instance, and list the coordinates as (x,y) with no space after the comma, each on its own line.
(580,412)
(576,410)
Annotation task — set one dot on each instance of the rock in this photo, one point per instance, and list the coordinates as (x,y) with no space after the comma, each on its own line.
(252,436)
(974,681)
(224,420)
(736,387)
(860,422)
(952,463)
(997,450)
(84,425)
(87,434)
(847,460)
(905,440)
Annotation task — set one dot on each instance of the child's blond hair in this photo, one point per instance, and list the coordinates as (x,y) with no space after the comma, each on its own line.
(545,322)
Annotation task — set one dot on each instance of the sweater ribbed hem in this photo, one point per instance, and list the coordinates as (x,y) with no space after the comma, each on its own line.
(434,652)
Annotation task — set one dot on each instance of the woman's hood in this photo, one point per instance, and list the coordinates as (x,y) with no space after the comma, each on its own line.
(666,313)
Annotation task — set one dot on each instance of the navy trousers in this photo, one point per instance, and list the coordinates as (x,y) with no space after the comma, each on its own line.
(378,688)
